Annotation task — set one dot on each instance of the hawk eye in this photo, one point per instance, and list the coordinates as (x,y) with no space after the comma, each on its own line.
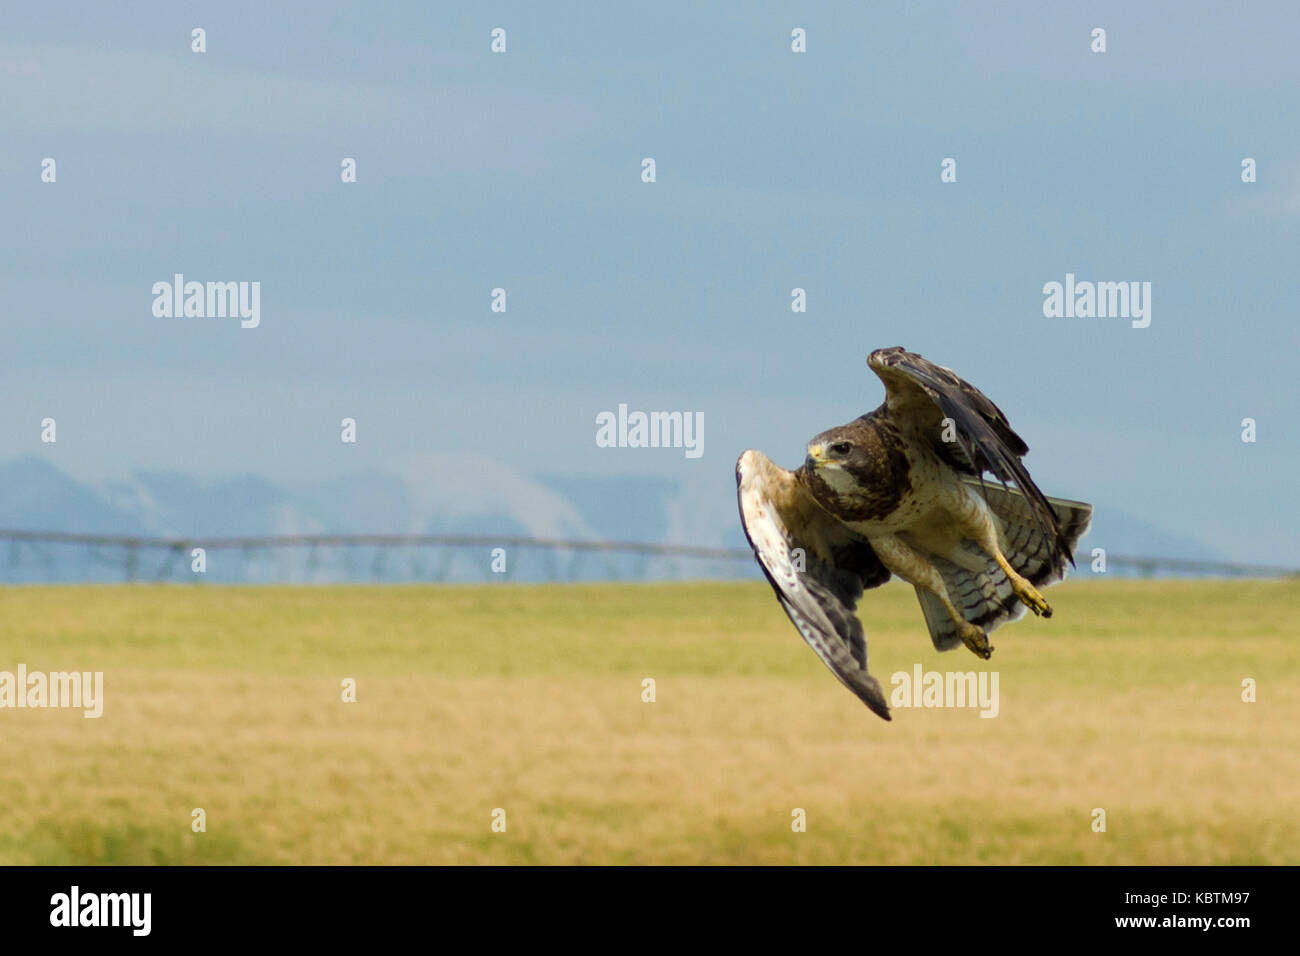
(841,448)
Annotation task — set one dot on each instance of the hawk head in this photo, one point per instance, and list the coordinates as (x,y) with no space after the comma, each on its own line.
(854,471)
(839,457)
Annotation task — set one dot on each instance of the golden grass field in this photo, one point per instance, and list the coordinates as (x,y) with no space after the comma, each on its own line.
(528,698)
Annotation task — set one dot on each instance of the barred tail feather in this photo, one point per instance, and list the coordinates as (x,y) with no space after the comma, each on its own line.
(983,597)
(943,632)
(1022,540)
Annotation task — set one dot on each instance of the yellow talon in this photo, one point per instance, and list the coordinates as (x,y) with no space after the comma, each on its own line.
(1032,598)
(1028,594)
(974,637)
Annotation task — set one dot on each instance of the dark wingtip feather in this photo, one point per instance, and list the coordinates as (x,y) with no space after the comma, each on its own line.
(994,446)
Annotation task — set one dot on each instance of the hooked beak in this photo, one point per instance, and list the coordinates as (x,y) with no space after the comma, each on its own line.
(816,456)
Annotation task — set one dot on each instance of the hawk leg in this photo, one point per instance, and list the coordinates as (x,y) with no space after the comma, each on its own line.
(913,567)
(1029,595)
(972,635)
(981,529)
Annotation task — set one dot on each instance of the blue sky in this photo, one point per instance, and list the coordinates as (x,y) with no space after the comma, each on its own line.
(775,170)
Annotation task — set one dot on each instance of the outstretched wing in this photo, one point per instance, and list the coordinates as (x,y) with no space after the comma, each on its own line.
(924,394)
(780,517)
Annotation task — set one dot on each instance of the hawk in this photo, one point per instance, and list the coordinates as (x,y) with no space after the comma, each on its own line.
(901,491)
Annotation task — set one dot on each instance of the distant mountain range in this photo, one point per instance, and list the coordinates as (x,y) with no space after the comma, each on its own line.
(461,495)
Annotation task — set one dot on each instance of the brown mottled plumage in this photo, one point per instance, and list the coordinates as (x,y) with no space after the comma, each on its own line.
(900,490)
